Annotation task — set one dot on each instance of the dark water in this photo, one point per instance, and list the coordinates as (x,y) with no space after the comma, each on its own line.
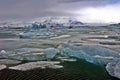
(79,70)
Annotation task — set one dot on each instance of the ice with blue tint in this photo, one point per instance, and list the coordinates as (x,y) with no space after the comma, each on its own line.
(28,57)
(50,52)
(3,54)
(30,54)
(113,68)
(91,53)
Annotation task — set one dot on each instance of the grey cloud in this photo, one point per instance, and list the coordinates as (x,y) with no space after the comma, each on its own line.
(67,1)
(25,8)
(36,8)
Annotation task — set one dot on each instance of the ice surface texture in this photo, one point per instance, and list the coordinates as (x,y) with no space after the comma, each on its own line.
(30,54)
(90,53)
(113,68)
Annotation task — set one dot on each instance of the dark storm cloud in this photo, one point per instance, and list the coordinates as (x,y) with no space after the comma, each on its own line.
(36,8)
(24,8)
(72,5)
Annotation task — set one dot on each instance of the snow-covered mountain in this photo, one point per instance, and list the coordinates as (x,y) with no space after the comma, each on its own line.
(48,21)
(57,21)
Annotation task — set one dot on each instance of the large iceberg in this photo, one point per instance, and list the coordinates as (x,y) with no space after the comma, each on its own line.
(91,53)
(113,68)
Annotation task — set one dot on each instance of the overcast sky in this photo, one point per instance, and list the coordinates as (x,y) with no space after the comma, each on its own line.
(85,10)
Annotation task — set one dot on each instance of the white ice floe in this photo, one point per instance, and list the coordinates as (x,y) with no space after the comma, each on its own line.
(39,64)
(30,54)
(28,50)
(62,36)
(66,59)
(62,57)
(3,67)
(8,61)
(55,66)
(102,57)
(71,60)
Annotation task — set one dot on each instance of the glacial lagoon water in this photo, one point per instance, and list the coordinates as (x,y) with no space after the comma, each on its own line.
(79,70)
(72,70)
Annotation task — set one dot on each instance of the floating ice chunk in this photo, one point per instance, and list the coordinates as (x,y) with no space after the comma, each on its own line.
(8,61)
(50,52)
(32,54)
(101,57)
(28,50)
(71,60)
(28,57)
(66,59)
(62,57)
(92,54)
(38,53)
(62,36)
(17,57)
(36,34)
(25,54)
(39,64)
(2,67)
(3,54)
(55,66)
(113,68)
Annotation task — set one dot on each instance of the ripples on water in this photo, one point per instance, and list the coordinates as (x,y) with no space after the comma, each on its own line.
(79,70)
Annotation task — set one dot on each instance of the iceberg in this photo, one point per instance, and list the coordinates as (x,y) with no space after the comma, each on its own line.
(24,54)
(38,54)
(113,68)
(3,54)
(91,53)
(50,52)
(31,54)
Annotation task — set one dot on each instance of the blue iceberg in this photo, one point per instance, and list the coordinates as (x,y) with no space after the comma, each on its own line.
(30,54)
(50,52)
(91,53)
